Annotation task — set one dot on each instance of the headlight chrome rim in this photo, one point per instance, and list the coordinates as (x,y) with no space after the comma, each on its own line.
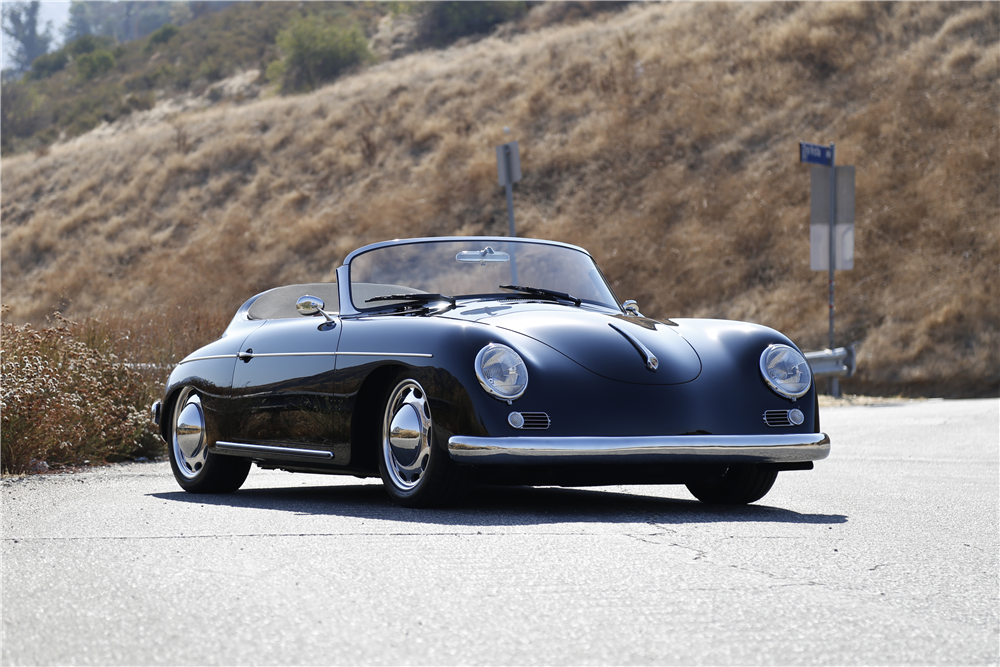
(769,359)
(491,388)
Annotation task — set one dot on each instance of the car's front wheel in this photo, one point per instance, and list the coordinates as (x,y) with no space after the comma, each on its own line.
(196,469)
(737,485)
(415,471)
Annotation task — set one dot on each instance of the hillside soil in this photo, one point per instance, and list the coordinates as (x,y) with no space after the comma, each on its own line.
(663,138)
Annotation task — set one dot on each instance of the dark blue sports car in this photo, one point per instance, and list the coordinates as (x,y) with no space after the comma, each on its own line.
(436,363)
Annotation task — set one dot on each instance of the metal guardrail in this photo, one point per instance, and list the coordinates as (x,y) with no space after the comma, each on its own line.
(841,362)
(147,367)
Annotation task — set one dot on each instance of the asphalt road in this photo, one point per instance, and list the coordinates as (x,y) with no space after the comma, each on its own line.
(886,553)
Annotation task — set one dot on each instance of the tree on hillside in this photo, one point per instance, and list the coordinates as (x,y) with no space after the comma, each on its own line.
(122,21)
(20,23)
(79,22)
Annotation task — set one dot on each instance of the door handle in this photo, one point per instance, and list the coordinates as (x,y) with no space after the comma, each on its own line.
(246,356)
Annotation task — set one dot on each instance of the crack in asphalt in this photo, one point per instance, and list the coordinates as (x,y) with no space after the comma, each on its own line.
(16,540)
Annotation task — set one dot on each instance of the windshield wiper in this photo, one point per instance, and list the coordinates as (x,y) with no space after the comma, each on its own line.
(538,291)
(414,298)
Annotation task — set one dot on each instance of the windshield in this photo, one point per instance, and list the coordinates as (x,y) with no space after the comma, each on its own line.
(475,267)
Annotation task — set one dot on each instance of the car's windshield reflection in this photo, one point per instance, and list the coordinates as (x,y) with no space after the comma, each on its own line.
(476,267)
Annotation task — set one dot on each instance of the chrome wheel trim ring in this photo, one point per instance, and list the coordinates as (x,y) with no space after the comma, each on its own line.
(188,437)
(406,435)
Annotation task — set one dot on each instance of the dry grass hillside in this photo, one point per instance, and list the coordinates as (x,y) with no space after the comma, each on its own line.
(662,138)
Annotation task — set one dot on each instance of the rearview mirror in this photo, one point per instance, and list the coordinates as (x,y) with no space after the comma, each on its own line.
(483,256)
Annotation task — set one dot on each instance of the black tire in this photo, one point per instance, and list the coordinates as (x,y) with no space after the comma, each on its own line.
(416,471)
(195,468)
(738,485)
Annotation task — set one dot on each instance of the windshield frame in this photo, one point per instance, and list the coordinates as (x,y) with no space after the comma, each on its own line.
(348,306)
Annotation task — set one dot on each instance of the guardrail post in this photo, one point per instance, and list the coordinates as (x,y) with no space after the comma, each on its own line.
(836,363)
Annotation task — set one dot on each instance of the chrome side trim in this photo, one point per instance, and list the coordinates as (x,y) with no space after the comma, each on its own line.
(641,449)
(213,356)
(652,363)
(242,449)
(254,355)
(421,355)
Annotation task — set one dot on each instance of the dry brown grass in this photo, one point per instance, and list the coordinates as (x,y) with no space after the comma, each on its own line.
(66,401)
(663,139)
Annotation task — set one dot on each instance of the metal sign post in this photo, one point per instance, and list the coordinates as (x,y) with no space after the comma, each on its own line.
(509,169)
(834,382)
(835,202)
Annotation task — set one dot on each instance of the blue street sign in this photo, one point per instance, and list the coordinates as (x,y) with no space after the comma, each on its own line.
(815,154)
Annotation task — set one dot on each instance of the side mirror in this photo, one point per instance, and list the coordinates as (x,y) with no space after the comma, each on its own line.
(312,305)
(632,308)
(309,305)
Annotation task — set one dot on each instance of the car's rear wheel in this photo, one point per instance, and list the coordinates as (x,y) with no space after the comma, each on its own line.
(737,485)
(415,471)
(196,469)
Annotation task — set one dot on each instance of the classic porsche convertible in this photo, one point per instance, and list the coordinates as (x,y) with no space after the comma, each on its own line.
(440,362)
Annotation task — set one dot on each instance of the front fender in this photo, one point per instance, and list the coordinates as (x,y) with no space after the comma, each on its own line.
(209,370)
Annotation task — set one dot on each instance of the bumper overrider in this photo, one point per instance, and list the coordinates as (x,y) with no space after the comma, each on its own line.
(735,449)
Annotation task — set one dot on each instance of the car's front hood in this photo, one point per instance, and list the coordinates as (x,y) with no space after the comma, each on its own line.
(629,349)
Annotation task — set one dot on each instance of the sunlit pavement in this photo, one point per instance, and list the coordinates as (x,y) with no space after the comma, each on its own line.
(886,553)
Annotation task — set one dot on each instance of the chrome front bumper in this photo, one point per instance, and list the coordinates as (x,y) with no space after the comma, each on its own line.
(642,449)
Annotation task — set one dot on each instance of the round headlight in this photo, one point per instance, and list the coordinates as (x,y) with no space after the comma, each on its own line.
(501,371)
(785,370)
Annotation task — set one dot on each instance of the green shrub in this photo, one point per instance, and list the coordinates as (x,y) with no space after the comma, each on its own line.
(443,22)
(64,402)
(314,53)
(100,101)
(150,78)
(140,101)
(20,113)
(88,44)
(47,65)
(210,69)
(95,63)
(162,35)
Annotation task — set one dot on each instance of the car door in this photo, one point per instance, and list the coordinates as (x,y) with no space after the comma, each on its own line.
(284,387)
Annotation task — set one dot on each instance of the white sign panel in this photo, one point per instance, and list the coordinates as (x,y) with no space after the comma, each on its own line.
(819,247)
(819,212)
(819,220)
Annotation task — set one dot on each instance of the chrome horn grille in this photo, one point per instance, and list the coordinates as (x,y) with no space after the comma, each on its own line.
(529,420)
(776,418)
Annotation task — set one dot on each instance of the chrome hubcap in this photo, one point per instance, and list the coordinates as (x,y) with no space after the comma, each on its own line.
(406,435)
(189,447)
